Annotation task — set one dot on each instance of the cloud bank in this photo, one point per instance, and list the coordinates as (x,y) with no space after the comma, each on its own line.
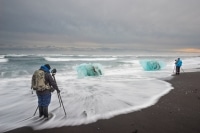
(100,24)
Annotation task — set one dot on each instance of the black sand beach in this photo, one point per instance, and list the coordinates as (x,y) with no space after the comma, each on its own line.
(176,112)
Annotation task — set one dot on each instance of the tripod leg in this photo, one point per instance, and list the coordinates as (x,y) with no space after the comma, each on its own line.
(182,69)
(59,96)
(59,99)
(62,104)
(36,110)
(174,68)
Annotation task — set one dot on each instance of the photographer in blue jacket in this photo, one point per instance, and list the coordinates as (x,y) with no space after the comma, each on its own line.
(178,64)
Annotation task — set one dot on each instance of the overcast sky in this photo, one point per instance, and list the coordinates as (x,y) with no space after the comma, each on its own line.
(100,24)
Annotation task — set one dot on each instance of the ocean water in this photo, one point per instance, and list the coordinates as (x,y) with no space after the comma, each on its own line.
(124,86)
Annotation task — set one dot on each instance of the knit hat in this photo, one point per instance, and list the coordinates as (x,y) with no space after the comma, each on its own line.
(48,66)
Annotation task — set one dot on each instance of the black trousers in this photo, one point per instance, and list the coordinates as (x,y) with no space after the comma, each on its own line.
(178,69)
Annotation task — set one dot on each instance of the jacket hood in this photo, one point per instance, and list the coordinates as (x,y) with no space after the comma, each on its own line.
(44,68)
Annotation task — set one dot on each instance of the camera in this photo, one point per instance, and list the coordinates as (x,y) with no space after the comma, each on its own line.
(53,71)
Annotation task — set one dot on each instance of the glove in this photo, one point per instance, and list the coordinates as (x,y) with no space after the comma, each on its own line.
(58,91)
(52,89)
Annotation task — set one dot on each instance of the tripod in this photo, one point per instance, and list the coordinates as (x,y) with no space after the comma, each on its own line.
(175,68)
(59,96)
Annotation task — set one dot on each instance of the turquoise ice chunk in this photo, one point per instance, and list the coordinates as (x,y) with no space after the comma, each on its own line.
(152,65)
(89,69)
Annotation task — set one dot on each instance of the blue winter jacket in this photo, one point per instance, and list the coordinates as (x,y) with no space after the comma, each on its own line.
(178,63)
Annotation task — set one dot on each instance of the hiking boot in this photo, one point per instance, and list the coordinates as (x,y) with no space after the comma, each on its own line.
(45,110)
(41,113)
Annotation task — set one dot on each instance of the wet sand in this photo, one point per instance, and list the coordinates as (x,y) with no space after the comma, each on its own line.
(176,112)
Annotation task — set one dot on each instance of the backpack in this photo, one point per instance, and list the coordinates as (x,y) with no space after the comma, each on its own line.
(38,81)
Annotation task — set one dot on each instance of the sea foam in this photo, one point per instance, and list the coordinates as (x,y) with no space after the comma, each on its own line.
(123,87)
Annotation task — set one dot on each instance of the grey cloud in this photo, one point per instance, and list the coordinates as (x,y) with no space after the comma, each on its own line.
(157,23)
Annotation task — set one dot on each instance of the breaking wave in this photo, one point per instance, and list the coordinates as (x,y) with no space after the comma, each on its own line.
(78,59)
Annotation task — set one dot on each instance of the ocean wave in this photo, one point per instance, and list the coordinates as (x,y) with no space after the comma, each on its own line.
(15,55)
(13,74)
(119,90)
(98,98)
(3,60)
(78,59)
(2,56)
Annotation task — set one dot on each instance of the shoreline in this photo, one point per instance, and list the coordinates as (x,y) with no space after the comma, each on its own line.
(176,112)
